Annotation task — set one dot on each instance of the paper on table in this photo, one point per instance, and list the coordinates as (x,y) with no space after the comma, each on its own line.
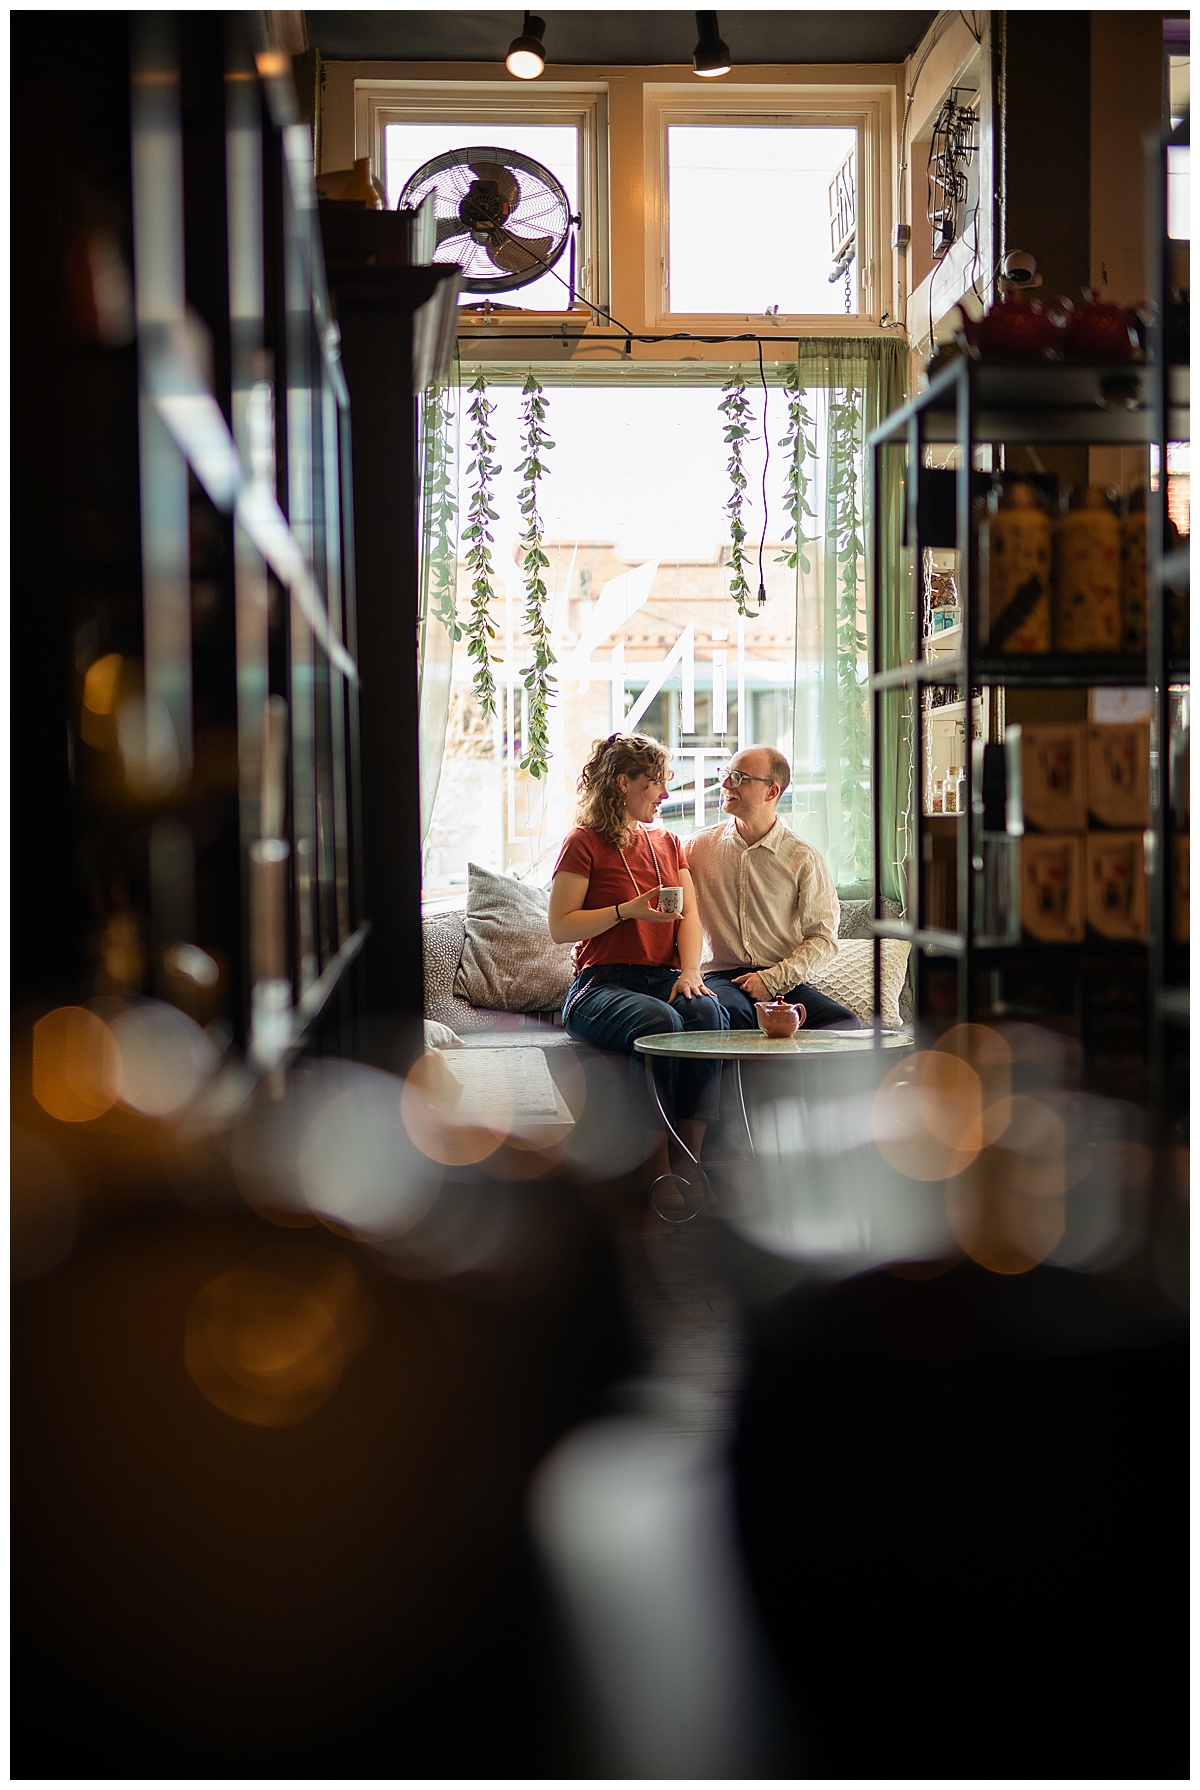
(516,1081)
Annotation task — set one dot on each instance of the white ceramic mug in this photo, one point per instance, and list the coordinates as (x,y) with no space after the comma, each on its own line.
(670,898)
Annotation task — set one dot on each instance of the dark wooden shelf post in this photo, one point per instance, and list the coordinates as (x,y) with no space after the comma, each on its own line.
(397,326)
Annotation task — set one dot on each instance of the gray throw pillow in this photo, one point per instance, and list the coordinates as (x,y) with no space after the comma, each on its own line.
(509,960)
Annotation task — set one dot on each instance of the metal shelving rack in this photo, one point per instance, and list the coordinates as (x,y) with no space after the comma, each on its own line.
(244,422)
(1169,568)
(972,405)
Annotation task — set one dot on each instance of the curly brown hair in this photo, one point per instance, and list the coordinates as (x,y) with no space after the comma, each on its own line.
(601,799)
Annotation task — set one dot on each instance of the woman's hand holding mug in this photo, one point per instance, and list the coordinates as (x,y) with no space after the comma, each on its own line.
(641,909)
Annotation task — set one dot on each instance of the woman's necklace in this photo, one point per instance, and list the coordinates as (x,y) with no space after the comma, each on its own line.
(657,872)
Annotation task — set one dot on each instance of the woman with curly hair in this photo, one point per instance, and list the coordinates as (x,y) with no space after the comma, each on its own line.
(637,968)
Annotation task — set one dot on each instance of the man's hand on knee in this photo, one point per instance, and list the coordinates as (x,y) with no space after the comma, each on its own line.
(753,985)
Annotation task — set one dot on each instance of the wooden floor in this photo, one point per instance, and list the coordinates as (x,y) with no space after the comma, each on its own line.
(688,1321)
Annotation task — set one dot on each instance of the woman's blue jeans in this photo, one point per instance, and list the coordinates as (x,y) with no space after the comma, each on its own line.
(612,1004)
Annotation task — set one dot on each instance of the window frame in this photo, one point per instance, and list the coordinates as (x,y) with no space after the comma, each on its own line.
(582,104)
(866,108)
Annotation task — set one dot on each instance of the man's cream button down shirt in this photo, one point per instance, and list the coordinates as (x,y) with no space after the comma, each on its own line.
(769,906)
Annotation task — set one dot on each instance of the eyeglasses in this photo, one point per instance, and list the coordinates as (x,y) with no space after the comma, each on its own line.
(737,778)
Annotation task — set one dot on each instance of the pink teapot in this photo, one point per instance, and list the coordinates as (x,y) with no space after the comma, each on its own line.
(778,1018)
(1016,328)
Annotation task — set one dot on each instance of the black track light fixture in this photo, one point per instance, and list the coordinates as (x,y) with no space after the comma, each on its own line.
(711,55)
(526,54)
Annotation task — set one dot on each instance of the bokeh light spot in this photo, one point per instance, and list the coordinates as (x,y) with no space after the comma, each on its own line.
(100,687)
(927,1116)
(262,1348)
(195,965)
(433,1116)
(165,1059)
(358,1168)
(1008,1211)
(100,684)
(76,1065)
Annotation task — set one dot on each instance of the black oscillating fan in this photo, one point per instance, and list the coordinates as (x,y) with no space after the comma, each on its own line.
(501,216)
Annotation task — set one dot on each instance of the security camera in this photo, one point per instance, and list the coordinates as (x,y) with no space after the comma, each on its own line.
(1020,269)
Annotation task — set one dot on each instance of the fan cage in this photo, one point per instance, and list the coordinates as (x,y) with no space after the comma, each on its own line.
(542,211)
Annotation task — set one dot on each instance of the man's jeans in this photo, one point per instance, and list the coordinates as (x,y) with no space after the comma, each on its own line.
(819,1009)
(612,1004)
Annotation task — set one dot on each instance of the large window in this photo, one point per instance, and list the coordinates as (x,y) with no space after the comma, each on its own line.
(645,629)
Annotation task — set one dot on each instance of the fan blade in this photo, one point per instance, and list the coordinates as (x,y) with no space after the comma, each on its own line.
(448,227)
(517,254)
(510,192)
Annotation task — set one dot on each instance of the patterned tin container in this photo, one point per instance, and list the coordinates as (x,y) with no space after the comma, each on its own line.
(1133,574)
(1087,576)
(1014,569)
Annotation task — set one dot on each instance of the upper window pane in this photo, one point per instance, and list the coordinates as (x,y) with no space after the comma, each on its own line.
(407,147)
(1179,206)
(750,219)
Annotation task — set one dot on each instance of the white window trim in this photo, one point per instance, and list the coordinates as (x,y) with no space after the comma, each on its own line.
(870,110)
(582,104)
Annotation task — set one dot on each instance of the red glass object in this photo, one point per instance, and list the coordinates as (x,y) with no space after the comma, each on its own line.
(1016,328)
(1094,330)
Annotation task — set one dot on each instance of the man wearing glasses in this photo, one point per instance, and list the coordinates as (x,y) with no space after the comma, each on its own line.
(766,899)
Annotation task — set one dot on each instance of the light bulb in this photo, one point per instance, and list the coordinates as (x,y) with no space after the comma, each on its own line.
(525,64)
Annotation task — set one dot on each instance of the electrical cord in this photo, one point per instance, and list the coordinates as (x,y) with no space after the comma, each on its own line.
(909,96)
(679,335)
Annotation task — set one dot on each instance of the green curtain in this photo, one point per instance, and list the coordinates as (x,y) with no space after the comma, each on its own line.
(438,626)
(845,386)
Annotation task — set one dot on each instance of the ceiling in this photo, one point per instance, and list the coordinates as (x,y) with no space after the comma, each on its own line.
(617,38)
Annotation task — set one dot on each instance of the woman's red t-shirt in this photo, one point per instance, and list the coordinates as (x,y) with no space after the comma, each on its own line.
(587,853)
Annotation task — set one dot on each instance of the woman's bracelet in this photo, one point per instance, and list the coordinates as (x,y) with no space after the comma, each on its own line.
(617,911)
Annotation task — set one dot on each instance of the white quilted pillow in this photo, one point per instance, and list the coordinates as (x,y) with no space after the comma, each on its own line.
(850,979)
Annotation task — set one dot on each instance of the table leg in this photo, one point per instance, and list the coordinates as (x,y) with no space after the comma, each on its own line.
(687,1188)
(737,1082)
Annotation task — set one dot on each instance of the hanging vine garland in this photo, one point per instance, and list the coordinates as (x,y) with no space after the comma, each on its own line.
(480,630)
(735,408)
(800,447)
(442,510)
(539,680)
(844,531)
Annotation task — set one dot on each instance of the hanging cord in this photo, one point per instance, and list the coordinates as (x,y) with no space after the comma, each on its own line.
(569,284)
(679,335)
(762,586)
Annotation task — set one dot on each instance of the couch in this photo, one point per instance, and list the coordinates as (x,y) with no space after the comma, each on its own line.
(444,937)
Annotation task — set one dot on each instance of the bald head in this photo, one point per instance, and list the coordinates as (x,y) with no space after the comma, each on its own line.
(767,763)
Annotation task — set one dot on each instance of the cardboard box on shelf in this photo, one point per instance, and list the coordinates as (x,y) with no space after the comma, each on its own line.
(1117,905)
(1118,774)
(1052,891)
(1047,766)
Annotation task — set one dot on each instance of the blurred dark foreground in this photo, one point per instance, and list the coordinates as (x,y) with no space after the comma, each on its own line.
(378,1496)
